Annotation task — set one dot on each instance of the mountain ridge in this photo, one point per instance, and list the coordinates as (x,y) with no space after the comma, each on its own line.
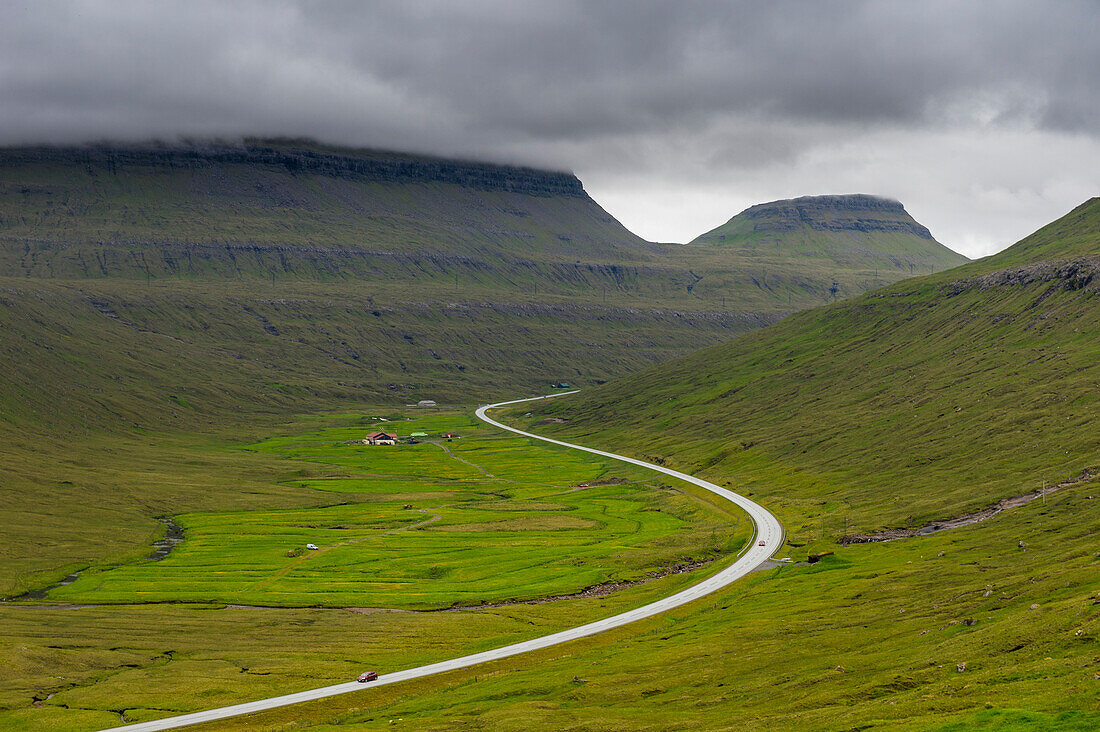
(297,156)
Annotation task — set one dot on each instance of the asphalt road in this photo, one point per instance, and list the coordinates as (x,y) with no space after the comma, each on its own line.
(768,529)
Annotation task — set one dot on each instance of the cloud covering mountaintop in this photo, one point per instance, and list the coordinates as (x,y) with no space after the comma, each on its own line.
(979,116)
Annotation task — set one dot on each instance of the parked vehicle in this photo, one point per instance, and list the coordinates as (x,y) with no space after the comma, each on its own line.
(311,546)
(368,676)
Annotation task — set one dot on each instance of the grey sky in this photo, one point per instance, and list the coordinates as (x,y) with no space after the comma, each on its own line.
(983,117)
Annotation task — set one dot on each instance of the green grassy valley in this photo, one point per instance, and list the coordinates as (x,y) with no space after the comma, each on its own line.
(219,378)
(919,402)
(962,630)
(461,542)
(155,300)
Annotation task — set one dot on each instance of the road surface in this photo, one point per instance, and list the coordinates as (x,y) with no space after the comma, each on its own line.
(768,530)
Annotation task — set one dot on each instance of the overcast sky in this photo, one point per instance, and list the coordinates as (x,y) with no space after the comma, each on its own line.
(983,118)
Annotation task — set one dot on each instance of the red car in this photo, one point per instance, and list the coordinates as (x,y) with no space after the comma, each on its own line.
(761,544)
(368,676)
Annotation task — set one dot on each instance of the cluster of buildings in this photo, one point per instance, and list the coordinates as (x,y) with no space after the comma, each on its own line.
(388,438)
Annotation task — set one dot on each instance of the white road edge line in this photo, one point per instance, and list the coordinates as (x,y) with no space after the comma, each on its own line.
(768,529)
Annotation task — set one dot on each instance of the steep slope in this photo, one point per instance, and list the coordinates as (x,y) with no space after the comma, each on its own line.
(848,231)
(929,398)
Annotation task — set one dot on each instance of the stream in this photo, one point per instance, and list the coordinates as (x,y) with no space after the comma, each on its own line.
(161,548)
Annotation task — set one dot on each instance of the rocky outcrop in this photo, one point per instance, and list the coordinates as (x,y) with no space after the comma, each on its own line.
(1072,274)
(305,158)
(858,212)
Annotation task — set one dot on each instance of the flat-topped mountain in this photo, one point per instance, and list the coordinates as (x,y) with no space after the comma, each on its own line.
(298,156)
(856,212)
(184,206)
(852,230)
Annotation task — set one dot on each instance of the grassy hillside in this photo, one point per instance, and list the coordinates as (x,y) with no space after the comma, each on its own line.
(925,399)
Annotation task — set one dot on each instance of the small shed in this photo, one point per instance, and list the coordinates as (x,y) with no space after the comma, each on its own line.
(419,434)
(381,438)
(426,403)
(449,435)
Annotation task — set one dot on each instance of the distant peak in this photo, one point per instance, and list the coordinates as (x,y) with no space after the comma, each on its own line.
(845,202)
(855,211)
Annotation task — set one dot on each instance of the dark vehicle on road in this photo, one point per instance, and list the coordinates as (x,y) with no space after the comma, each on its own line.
(368,676)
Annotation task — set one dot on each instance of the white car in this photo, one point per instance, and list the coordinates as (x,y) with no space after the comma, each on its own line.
(311,546)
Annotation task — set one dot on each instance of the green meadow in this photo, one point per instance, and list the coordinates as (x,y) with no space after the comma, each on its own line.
(241,609)
(960,630)
(480,519)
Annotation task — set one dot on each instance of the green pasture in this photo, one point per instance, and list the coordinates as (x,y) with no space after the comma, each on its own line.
(149,660)
(481,519)
(960,630)
(137,639)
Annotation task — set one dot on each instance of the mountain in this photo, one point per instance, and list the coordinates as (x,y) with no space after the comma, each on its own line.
(850,231)
(269,273)
(265,273)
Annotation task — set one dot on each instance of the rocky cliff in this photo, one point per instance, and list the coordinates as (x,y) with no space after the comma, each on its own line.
(307,158)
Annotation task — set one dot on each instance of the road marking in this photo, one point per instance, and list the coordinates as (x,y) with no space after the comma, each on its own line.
(768,528)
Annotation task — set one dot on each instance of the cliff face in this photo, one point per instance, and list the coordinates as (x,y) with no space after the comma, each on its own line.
(355,165)
(858,212)
(110,201)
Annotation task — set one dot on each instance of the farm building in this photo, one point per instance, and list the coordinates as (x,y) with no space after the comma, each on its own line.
(381,438)
(449,435)
(426,403)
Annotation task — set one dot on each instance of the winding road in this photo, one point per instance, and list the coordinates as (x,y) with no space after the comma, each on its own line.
(768,530)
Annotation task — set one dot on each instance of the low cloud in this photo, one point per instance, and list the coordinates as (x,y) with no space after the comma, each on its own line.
(731,100)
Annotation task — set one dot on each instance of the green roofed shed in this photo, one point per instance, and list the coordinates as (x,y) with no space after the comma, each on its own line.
(419,434)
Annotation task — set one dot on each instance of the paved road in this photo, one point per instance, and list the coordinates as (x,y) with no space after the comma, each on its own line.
(768,529)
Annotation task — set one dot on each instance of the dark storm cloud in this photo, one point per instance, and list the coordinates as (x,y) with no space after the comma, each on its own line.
(474,75)
(677,113)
